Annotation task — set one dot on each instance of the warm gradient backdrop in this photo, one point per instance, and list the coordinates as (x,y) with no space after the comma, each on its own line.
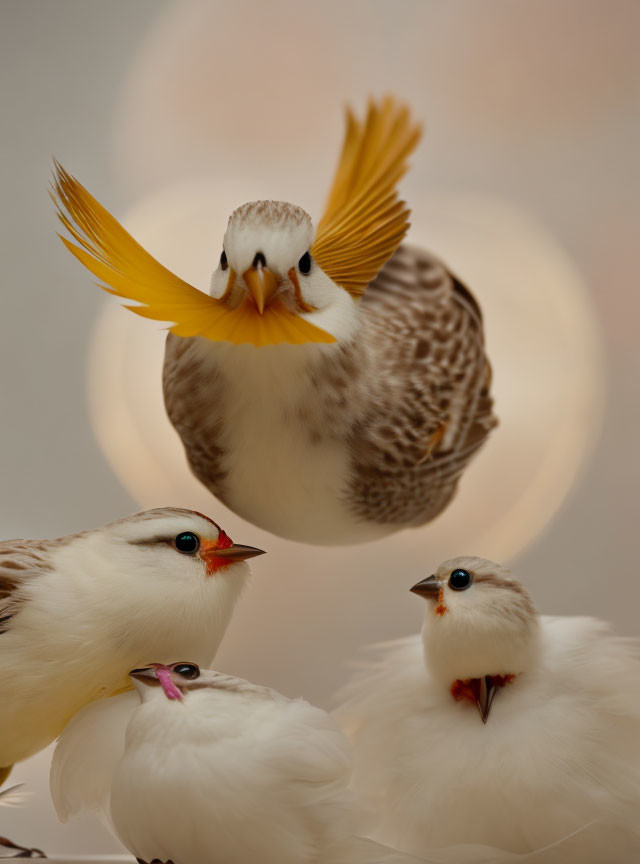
(526,182)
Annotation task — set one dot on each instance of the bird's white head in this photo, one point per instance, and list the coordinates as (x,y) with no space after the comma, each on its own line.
(152,585)
(278,281)
(174,544)
(269,277)
(479,621)
(169,680)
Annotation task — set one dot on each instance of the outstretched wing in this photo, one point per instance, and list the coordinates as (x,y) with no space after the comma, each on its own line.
(111,254)
(364,222)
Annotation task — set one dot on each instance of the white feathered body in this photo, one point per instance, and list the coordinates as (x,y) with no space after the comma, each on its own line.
(560,750)
(276,475)
(241,775)
(77,634)
(230,778)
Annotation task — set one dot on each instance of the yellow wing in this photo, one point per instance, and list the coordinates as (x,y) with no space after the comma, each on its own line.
(364,223)
(111,254)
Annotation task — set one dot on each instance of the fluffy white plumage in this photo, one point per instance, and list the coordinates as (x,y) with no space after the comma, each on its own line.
(559,755)
(12,796)
(235,773)
(107,600)
(140,597)
(290,467)
(86,756)
(257,227)
(232,773)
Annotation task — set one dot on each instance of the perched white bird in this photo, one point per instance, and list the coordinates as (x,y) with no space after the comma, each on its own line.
(220,771)
(78,612)
(558,753)
(334,385)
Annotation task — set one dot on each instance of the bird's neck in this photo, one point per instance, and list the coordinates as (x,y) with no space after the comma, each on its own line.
(286,376)
(480,691)
(469,688)
(462,651)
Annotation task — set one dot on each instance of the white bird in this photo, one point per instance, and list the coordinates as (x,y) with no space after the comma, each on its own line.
(500,726)
(221,771)
(76,613)
(333,386)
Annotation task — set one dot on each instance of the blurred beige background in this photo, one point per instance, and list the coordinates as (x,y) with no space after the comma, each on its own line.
(533,134)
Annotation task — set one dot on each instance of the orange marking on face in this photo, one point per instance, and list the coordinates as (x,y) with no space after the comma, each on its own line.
(303,306)
(208,549)
(441,608)
(231,281)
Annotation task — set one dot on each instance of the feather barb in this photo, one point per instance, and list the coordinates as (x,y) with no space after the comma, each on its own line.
(364,222)
(127,270)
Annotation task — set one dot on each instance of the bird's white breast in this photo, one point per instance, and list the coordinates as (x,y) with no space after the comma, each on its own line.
(287,463)
(558,752)
(223,777)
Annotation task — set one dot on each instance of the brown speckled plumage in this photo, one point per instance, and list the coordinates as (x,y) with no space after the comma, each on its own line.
(524,608)
(21,560)
(408,396)
(432,376)
(279,214)
(189,396)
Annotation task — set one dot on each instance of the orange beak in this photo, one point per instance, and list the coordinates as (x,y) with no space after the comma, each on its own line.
(222,552)
(262,284)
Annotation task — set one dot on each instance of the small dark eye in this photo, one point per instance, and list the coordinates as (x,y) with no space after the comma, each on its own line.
(187,670)
(223,261)
(187,543)
(460,579)
(304,264)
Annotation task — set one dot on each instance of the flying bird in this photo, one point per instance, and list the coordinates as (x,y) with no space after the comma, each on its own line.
(77,612)
(333,385)
(221,770)
(500,726)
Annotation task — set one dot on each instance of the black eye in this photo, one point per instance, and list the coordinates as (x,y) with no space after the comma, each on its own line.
(304,264)
(187,543)
(223,261)
(460,579)
(187,670)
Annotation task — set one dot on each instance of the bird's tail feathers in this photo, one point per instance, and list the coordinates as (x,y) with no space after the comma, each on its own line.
(595,839)
(364,851)
(13,796)
(81,772)
(570,847)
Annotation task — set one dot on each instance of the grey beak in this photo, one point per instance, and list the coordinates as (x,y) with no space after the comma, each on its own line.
(146,675)
(485,698)
(237,552)
(429,587)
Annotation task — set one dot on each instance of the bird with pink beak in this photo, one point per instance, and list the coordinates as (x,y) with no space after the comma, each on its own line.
(219,770)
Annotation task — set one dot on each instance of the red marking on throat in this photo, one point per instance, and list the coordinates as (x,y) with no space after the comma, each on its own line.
(469,688)
(441,608)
